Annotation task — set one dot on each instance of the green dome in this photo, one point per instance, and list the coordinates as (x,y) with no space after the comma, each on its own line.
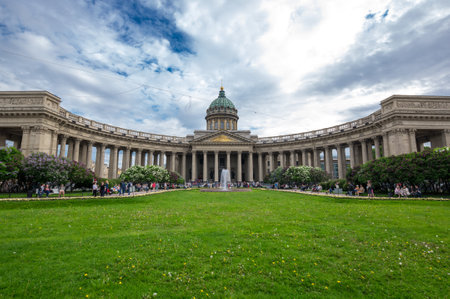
(222,101)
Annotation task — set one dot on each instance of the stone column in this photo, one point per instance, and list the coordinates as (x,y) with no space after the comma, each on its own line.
(304,157)
(89,155)
(125,159)
(291,158)
(271,162)
(329,160)
(250,167)
(70,149)
(260,167)
(83,153)
(316,157)
(205,166)
(369,150)
(341,161)
(194,166)
(229,161)
(161,159)
(112,162)
(101,165)
(54,146)
(76,150)
(137,161)
(364,151)
(25,144)
(143,158)
(352,154)
(216,166)
(150,160)
(183,166)
(376,141)
(239,166)
(172,161)
(386,152)
(281,155)
(62,152)
(412,140)
(97,161)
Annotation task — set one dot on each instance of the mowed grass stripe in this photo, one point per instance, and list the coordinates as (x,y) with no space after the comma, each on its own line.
(253,244)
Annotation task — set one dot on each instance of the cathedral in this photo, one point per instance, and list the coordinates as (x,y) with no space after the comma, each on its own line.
(35,121)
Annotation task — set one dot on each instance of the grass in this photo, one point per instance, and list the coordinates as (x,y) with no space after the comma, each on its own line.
(194,244)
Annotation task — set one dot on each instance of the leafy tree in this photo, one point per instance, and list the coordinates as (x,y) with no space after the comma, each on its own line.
(317,175)
(429,169)
(80,176)
(278,175)
(10,163)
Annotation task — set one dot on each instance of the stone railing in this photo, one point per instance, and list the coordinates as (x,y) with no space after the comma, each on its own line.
(351,125)
(88,123)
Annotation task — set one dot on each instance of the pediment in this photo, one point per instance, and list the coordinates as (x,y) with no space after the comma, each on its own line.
(222,137)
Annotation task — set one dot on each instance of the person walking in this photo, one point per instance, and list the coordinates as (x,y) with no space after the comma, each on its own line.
(94,189)
(102,189)
(369,189)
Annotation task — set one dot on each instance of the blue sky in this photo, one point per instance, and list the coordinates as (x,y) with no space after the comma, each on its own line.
(288,66)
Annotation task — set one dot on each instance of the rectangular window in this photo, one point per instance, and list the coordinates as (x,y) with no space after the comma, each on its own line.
(215,125)
(222,125)
(228,125)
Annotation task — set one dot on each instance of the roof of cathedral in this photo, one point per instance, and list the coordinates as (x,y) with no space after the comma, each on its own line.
(222,101)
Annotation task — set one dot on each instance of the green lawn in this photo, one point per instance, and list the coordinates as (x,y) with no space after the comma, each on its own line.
(198,244)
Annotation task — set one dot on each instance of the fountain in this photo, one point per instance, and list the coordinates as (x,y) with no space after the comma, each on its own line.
(225,179)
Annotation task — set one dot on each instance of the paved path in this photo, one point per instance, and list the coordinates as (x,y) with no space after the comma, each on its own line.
(134,194)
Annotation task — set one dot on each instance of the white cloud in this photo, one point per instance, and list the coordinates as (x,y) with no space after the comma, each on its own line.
(288,66)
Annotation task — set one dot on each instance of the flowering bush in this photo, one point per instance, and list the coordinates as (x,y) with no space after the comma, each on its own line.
(151,173)
(41,168)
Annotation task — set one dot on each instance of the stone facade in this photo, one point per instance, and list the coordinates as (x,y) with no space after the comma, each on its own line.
(35,121)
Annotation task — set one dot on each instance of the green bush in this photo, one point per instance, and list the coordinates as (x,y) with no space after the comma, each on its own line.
(429,169)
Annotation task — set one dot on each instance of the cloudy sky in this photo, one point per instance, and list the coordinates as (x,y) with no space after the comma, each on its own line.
(289,66)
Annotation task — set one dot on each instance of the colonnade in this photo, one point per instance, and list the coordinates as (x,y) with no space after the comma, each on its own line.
(245,165)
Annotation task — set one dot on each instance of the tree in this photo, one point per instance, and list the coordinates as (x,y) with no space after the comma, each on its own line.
(10,163)
(317,175)
(79,175)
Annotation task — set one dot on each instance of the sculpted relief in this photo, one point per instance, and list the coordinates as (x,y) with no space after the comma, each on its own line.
(21,101)
(222,138)
(424,105)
